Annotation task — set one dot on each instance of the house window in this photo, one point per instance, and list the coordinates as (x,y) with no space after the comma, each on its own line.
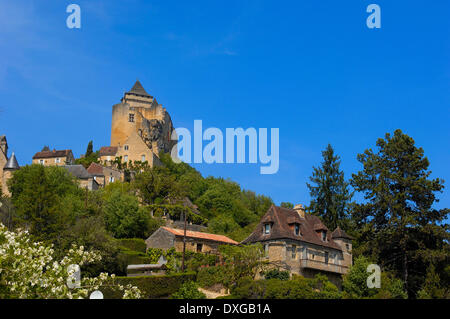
(324,235)
(143,158)
(199,248)
(297,229)
(266,229)
(347,246)
(57,160)
(326,257)
(41,162)
(125,158)
(108,158)
(125,147)
(111,179)
(131,117)
(294,252)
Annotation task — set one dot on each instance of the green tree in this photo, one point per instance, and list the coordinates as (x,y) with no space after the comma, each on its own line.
(124,218)
(90,149)
(188,290)
(329,191)
(37,193)
(399,224)
(287,205)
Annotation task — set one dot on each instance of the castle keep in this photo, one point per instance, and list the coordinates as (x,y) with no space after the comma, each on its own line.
(140,128)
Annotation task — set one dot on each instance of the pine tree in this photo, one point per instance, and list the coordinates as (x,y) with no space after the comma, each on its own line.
(329,191)
(398,221)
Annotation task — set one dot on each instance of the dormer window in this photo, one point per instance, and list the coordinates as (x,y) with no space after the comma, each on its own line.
(266,229)
(324,235)
(297,229)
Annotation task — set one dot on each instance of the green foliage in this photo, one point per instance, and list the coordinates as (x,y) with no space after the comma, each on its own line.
(329,191)
(398,223)
(432,287)
(136,244)
(89,157)
(210,276)
(37,194)
(154,254)
(152,287)
(355,283)
(276,274)
(296,288)
(188,290)
(177,212)
(287,205)
(125,218)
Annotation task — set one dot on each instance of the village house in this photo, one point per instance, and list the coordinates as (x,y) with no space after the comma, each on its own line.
(107,154)
(85,180)
(166,238)
(302,244)
(104,175)
(54,158)
(7,165)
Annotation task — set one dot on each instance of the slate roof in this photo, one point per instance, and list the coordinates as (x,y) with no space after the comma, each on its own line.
(12,163)
(138,89)
(108,151)
(95,169)
(281,219)
(200,235)
(78,171)
(339,233)
(52,154)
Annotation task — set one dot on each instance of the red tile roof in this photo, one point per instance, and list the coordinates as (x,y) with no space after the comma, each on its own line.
(281,219)
(108,151)
(51,154)
(95,169)
(200,235)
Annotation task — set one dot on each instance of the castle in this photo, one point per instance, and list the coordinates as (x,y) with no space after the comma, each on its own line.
(7,165)
(141,128)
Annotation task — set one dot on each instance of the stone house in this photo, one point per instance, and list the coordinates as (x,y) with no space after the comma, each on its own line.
(107,154)
(166,238)
(85,179)
(7,165)
(302,244)
(54,158)
(140,129)
(104,175)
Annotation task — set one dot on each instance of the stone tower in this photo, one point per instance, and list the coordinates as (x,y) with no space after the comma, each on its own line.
(7,165)
(141,128)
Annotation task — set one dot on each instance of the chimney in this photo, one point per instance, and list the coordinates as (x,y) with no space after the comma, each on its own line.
(300,210)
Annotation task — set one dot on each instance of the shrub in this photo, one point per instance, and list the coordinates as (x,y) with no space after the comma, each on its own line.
(209,276)
(135,244)
(152,287)
(189,290)
(276,274)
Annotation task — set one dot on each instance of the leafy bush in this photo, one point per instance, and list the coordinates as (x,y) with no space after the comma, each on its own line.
(152,287)
(189,290)
(135,244)
(276,274)
(209,276)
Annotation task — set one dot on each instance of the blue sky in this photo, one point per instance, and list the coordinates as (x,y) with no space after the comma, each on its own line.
(310,68)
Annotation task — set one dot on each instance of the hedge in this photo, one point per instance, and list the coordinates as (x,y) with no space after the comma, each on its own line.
(128,257)
(151,287)
(135,244)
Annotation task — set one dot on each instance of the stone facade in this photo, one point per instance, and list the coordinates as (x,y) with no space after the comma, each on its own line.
(54,158)
(301,244)
(166,238)
(141,128)
(104,175)
(7,166)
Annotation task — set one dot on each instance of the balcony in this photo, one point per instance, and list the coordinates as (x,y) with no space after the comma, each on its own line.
(320,265)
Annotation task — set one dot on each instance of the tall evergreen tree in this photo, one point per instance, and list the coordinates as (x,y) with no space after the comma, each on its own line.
(398,221)
(329,191)
(90,149)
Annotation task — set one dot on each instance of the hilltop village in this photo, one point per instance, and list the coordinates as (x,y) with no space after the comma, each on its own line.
(140,132)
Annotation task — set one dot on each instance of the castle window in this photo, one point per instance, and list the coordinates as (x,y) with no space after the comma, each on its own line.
(266,229)
(125,147)
(131,117)
(297,229)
